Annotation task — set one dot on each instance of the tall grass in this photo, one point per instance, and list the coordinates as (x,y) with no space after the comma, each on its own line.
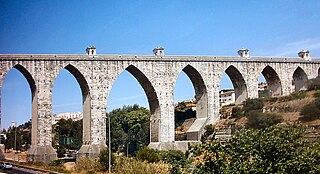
(88,166)
(125,165)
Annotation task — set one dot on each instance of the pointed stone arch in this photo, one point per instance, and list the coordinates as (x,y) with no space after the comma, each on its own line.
(238,82)
(200,90)
(86,101)
(34,99)
(152,100)
(273,81)
(201,96)
(299,79)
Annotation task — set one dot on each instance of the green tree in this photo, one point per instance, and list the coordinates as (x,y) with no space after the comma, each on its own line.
(69,130)
(19,136)
(130,125)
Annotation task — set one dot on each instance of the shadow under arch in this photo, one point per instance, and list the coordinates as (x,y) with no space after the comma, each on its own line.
(273,81)
(152,100)
(319,72)
(299,79)
(238,82)
(201,97)
(200,90)
(34,100)
(86,101)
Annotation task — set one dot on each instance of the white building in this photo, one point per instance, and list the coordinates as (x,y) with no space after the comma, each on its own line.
(75,116)
(227,97)
(262,86)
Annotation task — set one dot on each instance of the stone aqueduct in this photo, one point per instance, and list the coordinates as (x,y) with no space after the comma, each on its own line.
(157,75)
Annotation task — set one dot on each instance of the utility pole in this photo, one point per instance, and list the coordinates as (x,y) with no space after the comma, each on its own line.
(15,140)
(109,130)
(128,148)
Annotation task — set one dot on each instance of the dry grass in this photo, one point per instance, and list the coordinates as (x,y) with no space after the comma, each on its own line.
(130,165)
(87,166)
(290,106)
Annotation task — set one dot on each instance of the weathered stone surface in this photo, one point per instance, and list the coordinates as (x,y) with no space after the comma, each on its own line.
(44,154)
(157,76)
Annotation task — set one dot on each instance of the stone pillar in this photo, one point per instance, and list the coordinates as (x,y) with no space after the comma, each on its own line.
(251,77)
(96,126)
(1,144)
(41,149)
(213,101)
(164,85)
(94,108)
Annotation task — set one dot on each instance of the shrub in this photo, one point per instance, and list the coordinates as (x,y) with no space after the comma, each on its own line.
(313,84)
(57,162)
(294,96)
(147,154)
(176,158)
(270,150)
(253,104)
(272,99)
(87,165)
(236,112)
(317,94)
(104,158)
(257,120)
(311,111)
(209,130)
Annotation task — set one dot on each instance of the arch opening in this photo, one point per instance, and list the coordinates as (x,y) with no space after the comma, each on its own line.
(71,108)
(299,79)
(153,101)
(131,96)
(319,72)
(271,87)
(17,110)
(190,113)
(239,84)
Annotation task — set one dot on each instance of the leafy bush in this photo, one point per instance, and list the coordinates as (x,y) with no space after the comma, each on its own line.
(147,154)
(104,158)
(57,162)
(209,130)
(176,158)
(313,84)
(270,150)
(237,112)
(257,120)
(253,104)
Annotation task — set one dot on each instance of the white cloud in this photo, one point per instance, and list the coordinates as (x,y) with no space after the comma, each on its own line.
(291,49)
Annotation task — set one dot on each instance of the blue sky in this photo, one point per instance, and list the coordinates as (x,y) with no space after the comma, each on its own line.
(266,28)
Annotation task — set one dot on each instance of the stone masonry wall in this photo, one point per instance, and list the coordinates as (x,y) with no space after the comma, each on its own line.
(157,76)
